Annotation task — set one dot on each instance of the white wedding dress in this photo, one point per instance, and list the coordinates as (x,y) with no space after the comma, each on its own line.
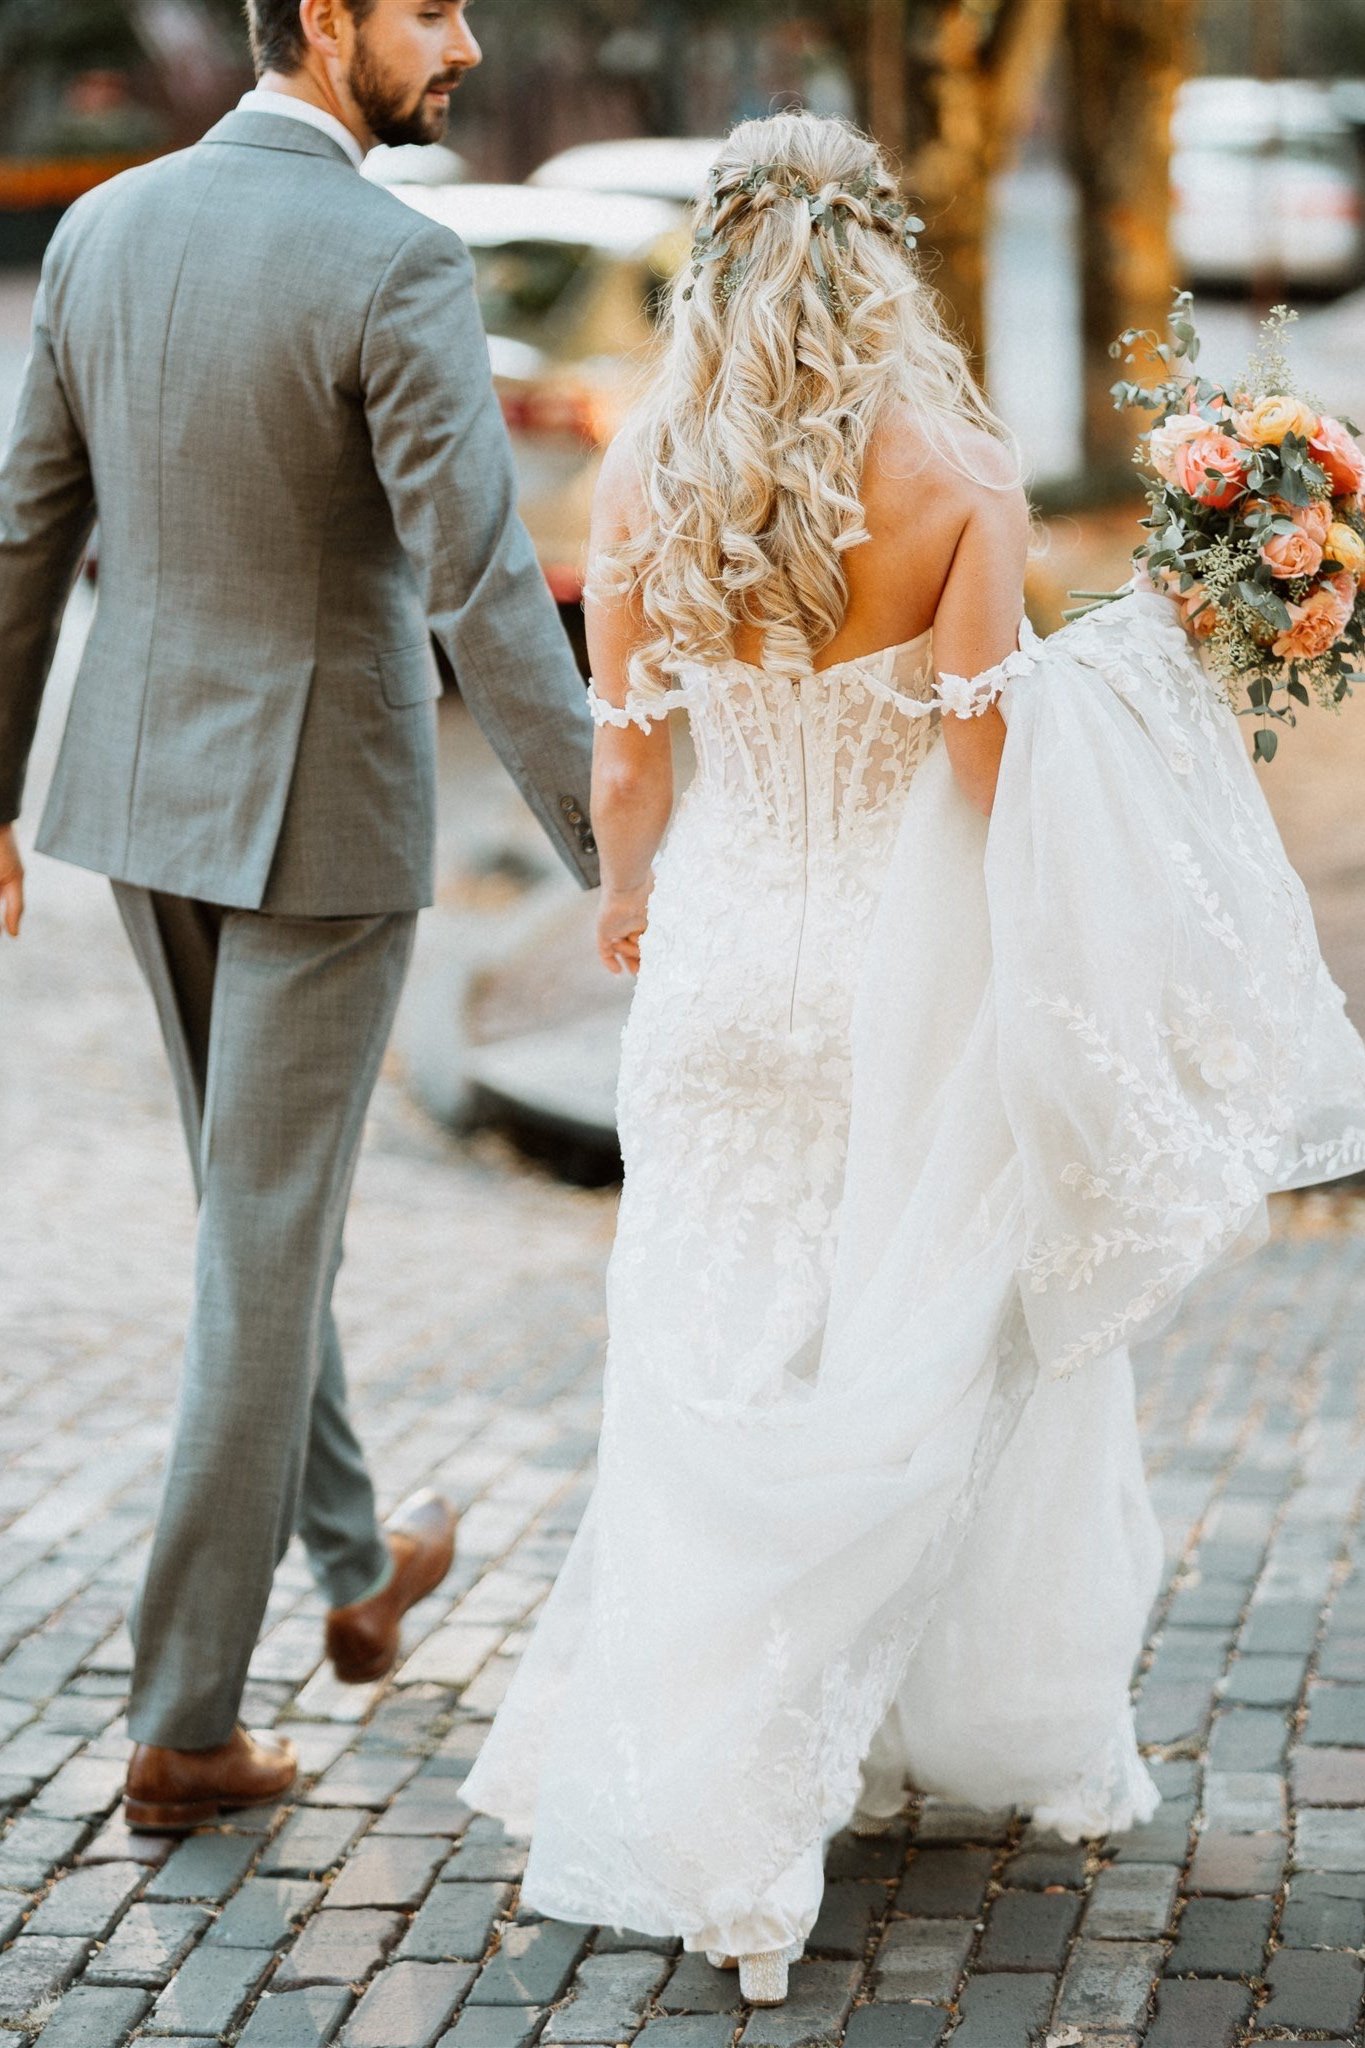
(918,1118)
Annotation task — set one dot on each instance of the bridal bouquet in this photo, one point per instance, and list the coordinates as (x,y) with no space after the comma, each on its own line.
(1257,523)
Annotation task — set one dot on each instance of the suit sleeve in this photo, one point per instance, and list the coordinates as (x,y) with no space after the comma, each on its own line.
(443,456)
(47,508)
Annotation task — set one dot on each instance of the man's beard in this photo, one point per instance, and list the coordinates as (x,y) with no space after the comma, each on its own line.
(391,113)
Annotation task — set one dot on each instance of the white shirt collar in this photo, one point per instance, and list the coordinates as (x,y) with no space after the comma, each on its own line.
(259,101)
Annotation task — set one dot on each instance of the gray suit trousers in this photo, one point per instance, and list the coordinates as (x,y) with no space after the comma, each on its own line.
(275,1027)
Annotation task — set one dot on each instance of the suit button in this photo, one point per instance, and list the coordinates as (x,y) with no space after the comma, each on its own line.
(589,843)
(566,804)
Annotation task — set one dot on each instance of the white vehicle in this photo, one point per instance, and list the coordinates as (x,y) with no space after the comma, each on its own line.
(1265,183)
(569,288)
(653,167)
(415,163)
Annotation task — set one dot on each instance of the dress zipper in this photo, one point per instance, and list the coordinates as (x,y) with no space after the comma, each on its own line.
(805,855)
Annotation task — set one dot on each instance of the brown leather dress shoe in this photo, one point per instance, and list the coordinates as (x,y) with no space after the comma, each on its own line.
(362,1639)
(169,1791)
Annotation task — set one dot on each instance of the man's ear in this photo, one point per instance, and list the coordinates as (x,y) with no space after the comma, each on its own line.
(319,18)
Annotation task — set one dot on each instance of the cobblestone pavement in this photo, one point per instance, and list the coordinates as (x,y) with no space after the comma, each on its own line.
(376,1912)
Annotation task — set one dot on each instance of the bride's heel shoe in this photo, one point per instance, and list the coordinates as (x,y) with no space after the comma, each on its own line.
(763,1979)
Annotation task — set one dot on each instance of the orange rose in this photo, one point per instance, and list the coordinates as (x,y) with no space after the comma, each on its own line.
(1339,455)
(1199,616)
(1317,623)
(1344,545)
(1292,554)
(1211,468)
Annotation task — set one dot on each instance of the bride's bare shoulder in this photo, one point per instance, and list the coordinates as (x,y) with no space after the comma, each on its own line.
(959,471)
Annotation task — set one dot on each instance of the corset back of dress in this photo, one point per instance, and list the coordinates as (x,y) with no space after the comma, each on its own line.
(811,762)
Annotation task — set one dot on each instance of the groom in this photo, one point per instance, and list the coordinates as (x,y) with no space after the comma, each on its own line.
(269,378)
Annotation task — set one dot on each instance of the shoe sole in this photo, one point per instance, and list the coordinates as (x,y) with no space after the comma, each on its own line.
(369,1674)
(172,1817)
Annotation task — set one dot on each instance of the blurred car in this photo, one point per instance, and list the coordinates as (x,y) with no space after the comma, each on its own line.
(1265,178)
(570,286)
(652,167)
(415,163)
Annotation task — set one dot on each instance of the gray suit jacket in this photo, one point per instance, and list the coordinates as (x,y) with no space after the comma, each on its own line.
(270,378)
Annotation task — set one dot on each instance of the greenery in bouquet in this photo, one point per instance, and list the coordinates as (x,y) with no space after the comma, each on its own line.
(1256,526)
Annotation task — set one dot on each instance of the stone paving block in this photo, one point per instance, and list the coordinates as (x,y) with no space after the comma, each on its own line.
(610,1939)
(1235,1865)
(13,1906)
(695,2032)
(409,2005)
(43,1663)
(455,1923)
(265,1913)
(1336,1715)
(609,1995)
(88,1901)
(505,2026)
(209,1990)
(1221,1938)
(388,1870)
(695,1987)
(1248,1739)
(1329,1838)
(1208,2015)
(92,2016)
(362,1779)
(1004,2010)
(941,1821)
(874,1858)
(1342,1656)
(1328,1777)
(84,1789)
(1265,1681)
(1168,1713)
(1132,1901)
(1108,1985)
(1244,1802)
(1163,1839)
(1318,1920)
(1213,1603)
(848,1911)
(297,2019)
(427,1806)
(312,1841)
(1285,1626)
(35,1968)
(34,1848)
(1037,1868)
(148,1945)
(338,1948)
(921,1959)
(945,1884)
(532,1966)
(116,1842)
(486,1852)
(203,1867)
(1029,1930)
(818,2000)
(888,2026)
(1317,1990)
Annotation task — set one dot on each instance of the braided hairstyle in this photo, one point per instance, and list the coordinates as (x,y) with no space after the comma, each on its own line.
(802,317)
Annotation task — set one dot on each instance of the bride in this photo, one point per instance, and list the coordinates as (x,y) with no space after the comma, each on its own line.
(923,1122)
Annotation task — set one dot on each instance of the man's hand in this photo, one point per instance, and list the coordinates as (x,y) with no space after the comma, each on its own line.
(11,882)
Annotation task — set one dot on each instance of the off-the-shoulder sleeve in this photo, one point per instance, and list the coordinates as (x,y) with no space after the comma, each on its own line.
(970,696)
(642,707)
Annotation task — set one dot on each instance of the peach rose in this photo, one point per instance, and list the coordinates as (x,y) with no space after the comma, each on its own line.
(1292,554)
(1344,545)
(1169,435)
(1211,468)
(1197,614)
(1267,422)
(1318,622)
(1339,455)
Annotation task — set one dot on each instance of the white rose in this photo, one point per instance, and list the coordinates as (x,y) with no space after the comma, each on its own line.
(1167,436)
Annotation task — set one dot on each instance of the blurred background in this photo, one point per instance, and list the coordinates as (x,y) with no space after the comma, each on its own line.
(1074,159)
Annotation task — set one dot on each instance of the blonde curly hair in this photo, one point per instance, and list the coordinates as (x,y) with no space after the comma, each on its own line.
(802,319)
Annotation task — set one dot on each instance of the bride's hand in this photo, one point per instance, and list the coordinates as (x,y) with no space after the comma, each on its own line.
(620,921)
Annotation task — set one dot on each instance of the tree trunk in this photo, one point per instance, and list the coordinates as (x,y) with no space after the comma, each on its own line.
(1126,59)
(978,68)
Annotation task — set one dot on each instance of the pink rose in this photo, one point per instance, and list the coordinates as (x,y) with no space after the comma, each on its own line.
(1292,554)
(1211,468)
(1319,621)
(1339,455)
(1197,614)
